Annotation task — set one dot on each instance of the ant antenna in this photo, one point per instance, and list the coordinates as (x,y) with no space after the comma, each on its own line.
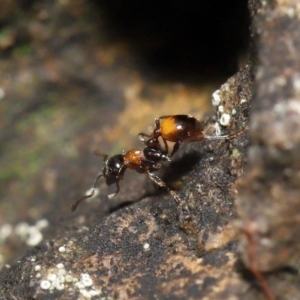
(226,137)
(91,194)
(116,192)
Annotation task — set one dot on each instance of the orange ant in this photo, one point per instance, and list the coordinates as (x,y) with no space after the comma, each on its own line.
(177,129)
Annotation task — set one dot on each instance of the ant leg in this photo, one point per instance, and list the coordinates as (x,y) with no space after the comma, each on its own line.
(143,137)
(166,145)
(91,194)
(181,204)
(98,153)
(118,178)
(116,192)
(175,148)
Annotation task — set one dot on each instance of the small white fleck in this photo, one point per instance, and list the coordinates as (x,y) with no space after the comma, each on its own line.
(94,293)
(35,237)
(290,12)
(41,224)
(294,106)
(86,280)
(199,281)
(218,129)
(61,278)
(52,277)
(221,108)
(85,293)
(45,284)
(296,83)
(280,80)
(79,285)
(60,266)
(233,112)
(33,259)
(5,231)
(243,101)
(21,229)
(61,272)
(266,242)
(146,246)
(62,249)
(224,120)
(69,278)
(216,99)
(59,286)
(38,275)
(37,268)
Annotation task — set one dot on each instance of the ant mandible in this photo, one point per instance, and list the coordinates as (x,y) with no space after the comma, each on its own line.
(174,128)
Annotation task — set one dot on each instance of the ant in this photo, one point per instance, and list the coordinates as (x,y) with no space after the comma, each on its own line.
(142,161)
(179,129)
(174,128)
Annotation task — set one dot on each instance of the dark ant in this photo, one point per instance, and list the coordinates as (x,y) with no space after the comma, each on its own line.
(142,161)
(178,129)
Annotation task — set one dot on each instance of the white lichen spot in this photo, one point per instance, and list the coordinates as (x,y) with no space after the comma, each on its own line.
(216,98)
(86,280)
(233,112)
(59,286)
(69,278)
(199,281)
(31,235)
(38,275)
(60,266)
(34,236)
(62,249)
(243,101)
(89,294)
(221,108)
(61,272)
(225,119)
(5,232)
(146,246)
(21,229)
(217,129)
(51,277)
(37,268)
(41,224)
(58,278)
(79,285)
(296,83)
(280,80)
(45,284)
(290,12)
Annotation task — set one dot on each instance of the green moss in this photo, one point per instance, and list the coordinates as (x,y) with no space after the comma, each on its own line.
(22,50)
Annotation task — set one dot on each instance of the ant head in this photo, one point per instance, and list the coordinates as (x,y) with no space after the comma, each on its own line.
(113,169)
